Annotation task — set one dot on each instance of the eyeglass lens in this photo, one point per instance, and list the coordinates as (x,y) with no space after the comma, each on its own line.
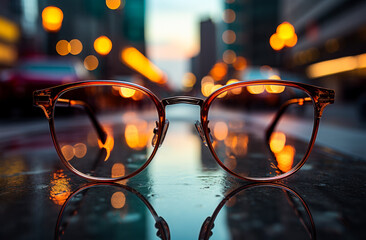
(105,131)
(251,131)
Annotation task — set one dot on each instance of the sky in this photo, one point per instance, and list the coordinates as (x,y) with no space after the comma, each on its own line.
(172,32)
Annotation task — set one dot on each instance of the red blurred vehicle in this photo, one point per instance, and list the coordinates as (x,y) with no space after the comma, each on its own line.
(18,84)
(32,74)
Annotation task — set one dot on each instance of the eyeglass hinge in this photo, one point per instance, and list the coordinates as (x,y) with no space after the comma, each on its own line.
(326,96)
(43,100)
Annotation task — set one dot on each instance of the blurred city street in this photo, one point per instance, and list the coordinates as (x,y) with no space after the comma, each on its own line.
(207,178)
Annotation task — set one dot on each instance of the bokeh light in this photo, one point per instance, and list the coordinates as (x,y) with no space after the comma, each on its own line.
(229,16)
(256,89)
(189,80)
(291,42)
(276,42)
(52,18)
(91,62)
(229,56)
(63,47)
(103,45)
(114,4)
(229,37)
(240,63)
(75,46)
(285,31)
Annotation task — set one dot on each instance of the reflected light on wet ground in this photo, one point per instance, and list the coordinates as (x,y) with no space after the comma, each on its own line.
(179,176)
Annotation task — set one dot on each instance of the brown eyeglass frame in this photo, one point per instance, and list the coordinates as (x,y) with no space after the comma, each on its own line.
(46,99)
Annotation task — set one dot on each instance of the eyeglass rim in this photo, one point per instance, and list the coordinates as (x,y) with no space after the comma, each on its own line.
(321,97)
(55,92)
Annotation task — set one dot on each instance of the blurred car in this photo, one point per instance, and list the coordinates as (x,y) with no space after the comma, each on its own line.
(18,84)
(32,74)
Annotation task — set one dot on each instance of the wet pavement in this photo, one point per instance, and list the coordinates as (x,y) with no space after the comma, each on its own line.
(183,192)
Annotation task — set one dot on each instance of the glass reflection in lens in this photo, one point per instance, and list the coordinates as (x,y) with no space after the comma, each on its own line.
(127,123)
(249,140)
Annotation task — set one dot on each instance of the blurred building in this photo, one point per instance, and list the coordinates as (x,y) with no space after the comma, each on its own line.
(331,44)
(246,28)
(203,62)
(83,20)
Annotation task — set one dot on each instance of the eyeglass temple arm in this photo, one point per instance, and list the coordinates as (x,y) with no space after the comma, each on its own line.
(282,110)
(87,108)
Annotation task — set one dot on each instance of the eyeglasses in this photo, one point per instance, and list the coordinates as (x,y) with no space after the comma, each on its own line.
(259,130)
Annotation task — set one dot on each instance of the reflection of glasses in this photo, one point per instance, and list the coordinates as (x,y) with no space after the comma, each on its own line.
(124,200)
(258,130)
(250,198)
(106,204)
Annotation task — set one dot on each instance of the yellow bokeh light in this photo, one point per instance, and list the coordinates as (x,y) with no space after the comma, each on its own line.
(137,61)
(91,62)
(285,30)
(291,42)
(135,135)
(277,142)
(235,91)
(229,16)
(220,131)
(52,18)
(215,87)
(256,89)
(118,200)
(276,42)
(103,45)
(126,92)
(229,37)
(63,47)
(285,158)
(207,84)
(275,88)
(189,79)
(75,47)
(114,4)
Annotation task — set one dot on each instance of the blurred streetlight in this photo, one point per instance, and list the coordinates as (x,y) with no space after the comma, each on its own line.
(52,19)
(137,61)
(284,36)
(103,45)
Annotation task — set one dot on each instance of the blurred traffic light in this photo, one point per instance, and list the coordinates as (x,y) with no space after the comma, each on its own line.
(52,19)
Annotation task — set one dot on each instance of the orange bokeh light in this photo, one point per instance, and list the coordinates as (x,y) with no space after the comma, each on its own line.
(276,42)
(277,142)
(220,131)
(75,46)
(285,158)
(63,47)
(256,89)
(291,42)
(285,31)
(91,62)
(240,63)
(103,45)
(113,4)
(108,145)
(218,71)
(118,200)
(52,18)
(137,61)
